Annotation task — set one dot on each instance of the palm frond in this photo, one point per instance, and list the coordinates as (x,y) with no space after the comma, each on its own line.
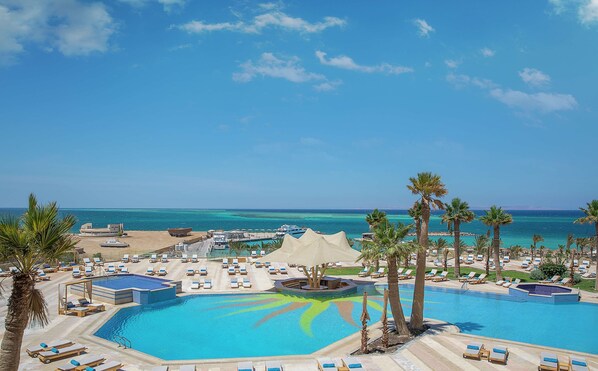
(38,309)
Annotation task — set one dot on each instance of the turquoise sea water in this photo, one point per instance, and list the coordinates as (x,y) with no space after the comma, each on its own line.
(552,225)
(256,325)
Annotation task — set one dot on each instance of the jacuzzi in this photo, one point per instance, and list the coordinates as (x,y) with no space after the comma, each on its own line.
(544,293)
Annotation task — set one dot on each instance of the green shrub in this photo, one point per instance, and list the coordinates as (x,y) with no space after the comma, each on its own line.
(576,278)
(552,269)
(537,275)
(97,255)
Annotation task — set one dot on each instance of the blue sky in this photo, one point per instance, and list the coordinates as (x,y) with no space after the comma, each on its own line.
(297,104)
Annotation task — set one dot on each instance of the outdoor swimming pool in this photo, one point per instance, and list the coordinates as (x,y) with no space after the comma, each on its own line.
(256,325)
(130,281)
(125,288)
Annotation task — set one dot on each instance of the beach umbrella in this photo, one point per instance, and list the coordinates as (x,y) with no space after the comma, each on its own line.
(365,317)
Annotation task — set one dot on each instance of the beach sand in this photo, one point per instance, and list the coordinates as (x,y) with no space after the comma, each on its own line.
(140,242)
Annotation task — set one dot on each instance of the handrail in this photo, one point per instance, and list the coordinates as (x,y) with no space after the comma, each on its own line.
(123,341)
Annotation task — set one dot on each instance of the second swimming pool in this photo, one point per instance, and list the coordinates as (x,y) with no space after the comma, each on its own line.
(230,326)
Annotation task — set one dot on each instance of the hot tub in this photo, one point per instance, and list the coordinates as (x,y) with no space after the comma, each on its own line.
(544,293)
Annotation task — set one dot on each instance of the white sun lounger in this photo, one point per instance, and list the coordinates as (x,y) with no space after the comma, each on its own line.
(184,258)
(353,364)
(70,351)
(98,261)
(109,366)
(88,271)
(150,271)
(236,262)
(473,350)
(232,271)
(578,363)
(125,258)
(207,283)
(225,263)
(274,366)
(283,270)
(328,364)
(203,271)
(135,259)
(34,350)
(234,284)
(76,273)
(162,271)
(164,258)
(195,285)
(499,354)
(81,363)
(549,361)
(254,254)
(245,366)
(246,283)
(187,368)
(190,272)
(154,258)
(194,258)
(272,270)
(243,269)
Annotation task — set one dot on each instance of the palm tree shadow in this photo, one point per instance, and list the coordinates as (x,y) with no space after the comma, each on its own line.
(469,326)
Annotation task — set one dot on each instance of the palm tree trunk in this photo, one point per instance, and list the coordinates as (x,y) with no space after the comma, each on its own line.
(488,252)
(394,298)
(496,247)
(457,247)
(417,312)
(16,321)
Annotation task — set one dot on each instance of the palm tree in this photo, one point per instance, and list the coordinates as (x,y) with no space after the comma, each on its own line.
(535,239)
(515,251)
(591,217)
(237,247)
(496,217)
(371,253)
(581,243)
(430,188)
(456,212)
(389,240)
(541,249)
(442,245)
(38,236)
(375,218)
(480,244)
(416,213)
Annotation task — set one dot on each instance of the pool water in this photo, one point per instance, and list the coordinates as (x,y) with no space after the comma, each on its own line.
(256,325)
(130,281)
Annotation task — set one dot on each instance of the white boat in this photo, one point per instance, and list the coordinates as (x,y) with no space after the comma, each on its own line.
(113,242)
(220,240)
(293,230)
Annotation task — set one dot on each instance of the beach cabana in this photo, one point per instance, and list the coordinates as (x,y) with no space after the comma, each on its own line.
(83,288)
(313,252)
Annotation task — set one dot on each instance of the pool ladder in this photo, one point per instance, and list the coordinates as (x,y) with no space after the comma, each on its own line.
(123,342)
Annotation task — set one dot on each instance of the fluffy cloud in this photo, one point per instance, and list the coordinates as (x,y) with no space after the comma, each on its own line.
(168,5)
(347,63)
(487,52)
(588,12)
(534,77)
(328,85)
(424,29)
(70,26)
(520,101)
(270,65)
(451,63)
(271,17)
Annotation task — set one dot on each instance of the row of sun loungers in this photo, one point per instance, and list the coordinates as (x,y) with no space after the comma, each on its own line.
(160,272)
(202,271)
(236,283)
(206,284)
(498,353)
(61,349)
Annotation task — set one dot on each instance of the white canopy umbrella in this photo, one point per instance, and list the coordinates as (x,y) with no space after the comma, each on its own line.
(314,251)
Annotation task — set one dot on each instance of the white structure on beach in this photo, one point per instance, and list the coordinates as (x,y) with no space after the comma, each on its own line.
(112,230)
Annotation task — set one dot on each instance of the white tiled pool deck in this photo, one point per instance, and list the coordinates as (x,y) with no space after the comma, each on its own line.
(437,350)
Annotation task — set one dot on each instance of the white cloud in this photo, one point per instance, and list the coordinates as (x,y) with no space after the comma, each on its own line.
(520,101)
(271,18)
(487,52)
(71,26)
(424,29)
(347,63)
(328,85)
(588,12)
(451,63)
(270,65)
(168,5)
(534,77)
(539,102)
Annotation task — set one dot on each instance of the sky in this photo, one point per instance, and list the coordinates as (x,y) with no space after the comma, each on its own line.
(297,104)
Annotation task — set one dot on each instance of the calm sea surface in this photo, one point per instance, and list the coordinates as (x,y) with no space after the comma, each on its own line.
(552,225)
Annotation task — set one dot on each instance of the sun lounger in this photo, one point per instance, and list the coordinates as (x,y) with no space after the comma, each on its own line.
(232,271)
(194,258)
(267,264)
(207,284)
(42,276)
(479,257)
(272,270)
(470,276)
(577,363)
(162,271)
(258,264)
(80,311)
(478,280)
(274,366)
(253,254)
(246,283)
(81,363)
(86,261)
(154,258)
(107,366)
(236,263)
(124,270)
(524,264)
(564,281)
(121,267)
(98,261)
(499,354)
(150,271)
(407,275)
(195,285)
(164,258)
(225,263)
(111,269)
(283,270)
(125,258)
(442,277)
(243,269)
(506,259)
(431,274)
(327,364)
(353,364)
(262,253)
(364,272)
(184,258)
(379,273)
(509,284)
(93,307)
(589,275)
(554,279)
(54,353)
(473,351)
(135,259)
(549,362)
(190,272)
(187,368)
(245,366)
(33,351)
(234,284)
(203,271)
(76,273)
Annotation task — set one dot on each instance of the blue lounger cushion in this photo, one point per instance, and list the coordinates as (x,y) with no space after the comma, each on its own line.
(577,362)
(43,345)
(499,350)
(54,350)
(473,347)
(551,360)
(329,365)
(355,365)
(74,362)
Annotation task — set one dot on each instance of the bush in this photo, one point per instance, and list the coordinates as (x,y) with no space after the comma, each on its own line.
(537,275)
(97,255)
(576,278)
(552,269)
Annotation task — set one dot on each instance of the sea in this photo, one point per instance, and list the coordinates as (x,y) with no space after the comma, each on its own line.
(553,225)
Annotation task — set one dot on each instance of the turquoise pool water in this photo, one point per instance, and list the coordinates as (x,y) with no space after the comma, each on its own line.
(130,281)
(227,326)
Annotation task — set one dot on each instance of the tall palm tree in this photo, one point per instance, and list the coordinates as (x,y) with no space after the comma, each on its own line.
(430,189)
(371,253)
(416,213)
(38,236)
(480,244)
(457,211)
(591,216)
(375,218)
(495,217)
(581,243)
(389,240)
(442,245)
(535,239)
